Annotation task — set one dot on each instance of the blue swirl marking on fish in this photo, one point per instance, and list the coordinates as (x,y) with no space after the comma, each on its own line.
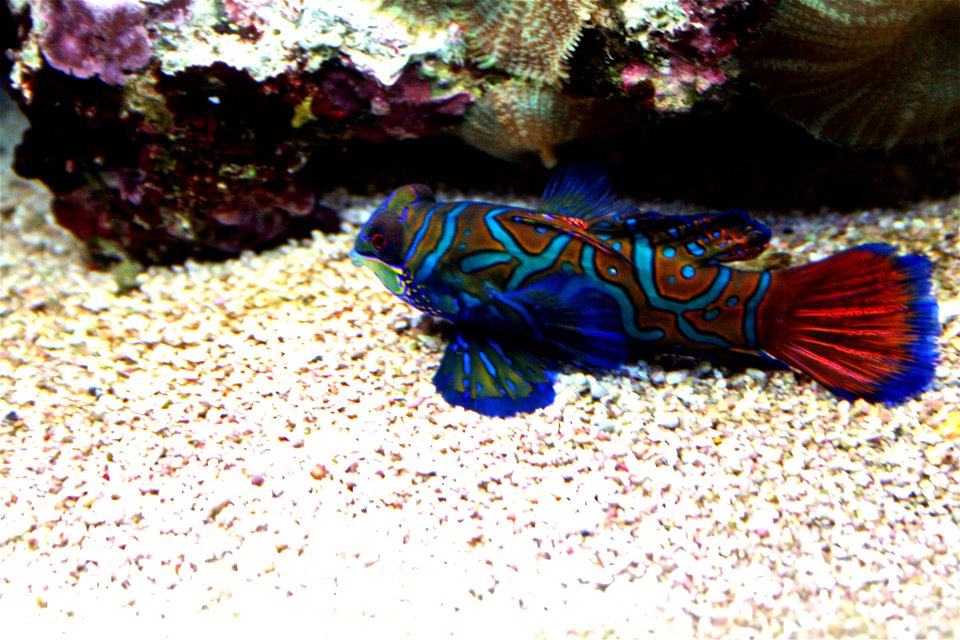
(586,278)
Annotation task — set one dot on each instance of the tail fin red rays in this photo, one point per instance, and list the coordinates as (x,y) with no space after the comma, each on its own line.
(862,323)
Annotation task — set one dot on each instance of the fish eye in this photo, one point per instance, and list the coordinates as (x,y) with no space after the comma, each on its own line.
(386,238)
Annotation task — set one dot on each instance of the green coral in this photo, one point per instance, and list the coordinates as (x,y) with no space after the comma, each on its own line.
(530,39)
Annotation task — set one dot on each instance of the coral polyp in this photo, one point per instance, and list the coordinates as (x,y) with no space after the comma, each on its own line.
(870,73)
(530,39)
(515,118)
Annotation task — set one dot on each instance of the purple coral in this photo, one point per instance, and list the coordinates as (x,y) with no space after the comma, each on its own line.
(406,109)
(89,38)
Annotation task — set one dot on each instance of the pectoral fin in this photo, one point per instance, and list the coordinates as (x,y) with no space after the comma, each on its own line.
(572,321)
(480,374)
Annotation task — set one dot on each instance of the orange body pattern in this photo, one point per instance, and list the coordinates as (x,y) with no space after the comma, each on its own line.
(588,279)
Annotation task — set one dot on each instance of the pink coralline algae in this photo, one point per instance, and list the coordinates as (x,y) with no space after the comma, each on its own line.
(670,85)
(261,217)
(404,109)
(714,28)
(246,14)
(105,38)
(150,232)
(700,53)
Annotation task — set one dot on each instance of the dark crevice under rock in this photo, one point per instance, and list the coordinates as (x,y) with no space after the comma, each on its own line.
(99,161)
(741,157)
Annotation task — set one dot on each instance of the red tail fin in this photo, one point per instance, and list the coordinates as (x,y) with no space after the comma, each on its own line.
(862,323)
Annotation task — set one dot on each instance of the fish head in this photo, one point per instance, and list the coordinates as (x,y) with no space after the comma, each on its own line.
(384,240)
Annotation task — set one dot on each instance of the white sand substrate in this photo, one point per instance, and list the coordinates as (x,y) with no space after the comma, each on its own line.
(257,446)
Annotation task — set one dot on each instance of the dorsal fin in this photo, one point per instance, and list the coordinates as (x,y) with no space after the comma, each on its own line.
(403,197)
(581,191)
(725,236)
(575,227)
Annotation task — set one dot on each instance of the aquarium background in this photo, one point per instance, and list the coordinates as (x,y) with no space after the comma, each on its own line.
(210,416)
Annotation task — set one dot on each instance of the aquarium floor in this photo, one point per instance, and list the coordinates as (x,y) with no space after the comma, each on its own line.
(258,443)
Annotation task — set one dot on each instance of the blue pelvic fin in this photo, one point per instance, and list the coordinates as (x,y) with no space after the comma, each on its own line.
(582,191)
(725,236)
(570,319)
(480,374)
(559,319)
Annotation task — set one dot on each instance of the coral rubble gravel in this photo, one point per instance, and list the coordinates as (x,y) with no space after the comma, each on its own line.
(260,440)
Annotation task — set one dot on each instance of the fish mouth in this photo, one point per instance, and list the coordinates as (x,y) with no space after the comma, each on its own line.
(388,275)
(364,259)
(357,259)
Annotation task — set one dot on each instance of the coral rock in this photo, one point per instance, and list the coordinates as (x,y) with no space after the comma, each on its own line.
(100,38)
(871,73)
(689,47)
(173,128)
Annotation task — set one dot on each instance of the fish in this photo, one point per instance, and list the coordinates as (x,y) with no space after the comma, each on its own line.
(588,280)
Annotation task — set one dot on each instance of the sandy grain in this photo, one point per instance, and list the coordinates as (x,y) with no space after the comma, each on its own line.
(260,441)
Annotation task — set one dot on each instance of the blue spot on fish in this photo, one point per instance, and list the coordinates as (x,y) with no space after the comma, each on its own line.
(733,301)
(470,300)
(669,252)
(695,249)
(688,272)
(488,365)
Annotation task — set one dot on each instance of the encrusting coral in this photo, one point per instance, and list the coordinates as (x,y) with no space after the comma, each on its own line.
(87,39)
(529,39)
(873,73)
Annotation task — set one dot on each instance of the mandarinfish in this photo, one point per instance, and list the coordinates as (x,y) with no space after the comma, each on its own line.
(588,280)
